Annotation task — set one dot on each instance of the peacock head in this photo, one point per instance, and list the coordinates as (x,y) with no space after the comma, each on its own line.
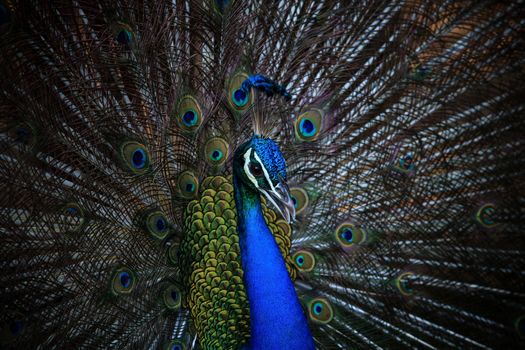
(260,165)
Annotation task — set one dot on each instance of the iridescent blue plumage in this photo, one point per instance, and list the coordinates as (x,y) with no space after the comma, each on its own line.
(277,320)
(266,85)
(271,156)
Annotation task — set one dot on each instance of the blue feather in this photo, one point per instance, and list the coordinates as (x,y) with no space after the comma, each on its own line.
(277,320)
(266,85)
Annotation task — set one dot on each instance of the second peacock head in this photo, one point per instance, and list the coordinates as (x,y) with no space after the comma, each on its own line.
(260,165)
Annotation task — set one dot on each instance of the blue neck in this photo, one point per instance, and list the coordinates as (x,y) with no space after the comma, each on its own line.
(277,320)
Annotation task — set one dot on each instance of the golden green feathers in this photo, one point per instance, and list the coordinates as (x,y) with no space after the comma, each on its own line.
(211,264)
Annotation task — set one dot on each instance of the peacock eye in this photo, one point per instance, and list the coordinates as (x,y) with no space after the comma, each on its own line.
(175,345)
(123,33)
(136,156)
(123,281)
(320,311)
(256,169)
(404,283)
(124,37)
(304,260)
(240,97)
(188,184)
(172,297)
(188,114)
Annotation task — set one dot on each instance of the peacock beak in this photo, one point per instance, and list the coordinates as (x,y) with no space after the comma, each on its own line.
(279,196)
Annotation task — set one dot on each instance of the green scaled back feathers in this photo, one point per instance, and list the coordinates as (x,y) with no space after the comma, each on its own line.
(211,266)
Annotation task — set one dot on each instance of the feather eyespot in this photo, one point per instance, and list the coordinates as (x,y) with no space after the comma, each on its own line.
(175,345)
(299,198)
(256,169)
(347,234)
(308,125)
(172,297)
(188,114)
(123,33)
(299,260)
(404,283)
(160,224)
(216,155)
(239,98)
(406,162)
(123,281)
(189,118)
(173,254)
(157,225)
(135,156)
(138,158)
(304,260)
(405,156)
(485,215)
(216,151)
(320,310)
(72,218)
(124,36)
(317,308)
(188,184)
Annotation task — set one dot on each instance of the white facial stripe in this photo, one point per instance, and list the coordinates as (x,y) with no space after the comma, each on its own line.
(247,168)
(265,172)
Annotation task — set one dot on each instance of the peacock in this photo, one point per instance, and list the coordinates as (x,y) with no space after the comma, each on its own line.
(249,174)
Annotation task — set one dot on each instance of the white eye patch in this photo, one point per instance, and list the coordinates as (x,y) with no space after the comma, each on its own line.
(265,172)
(247,168)
(247,160)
